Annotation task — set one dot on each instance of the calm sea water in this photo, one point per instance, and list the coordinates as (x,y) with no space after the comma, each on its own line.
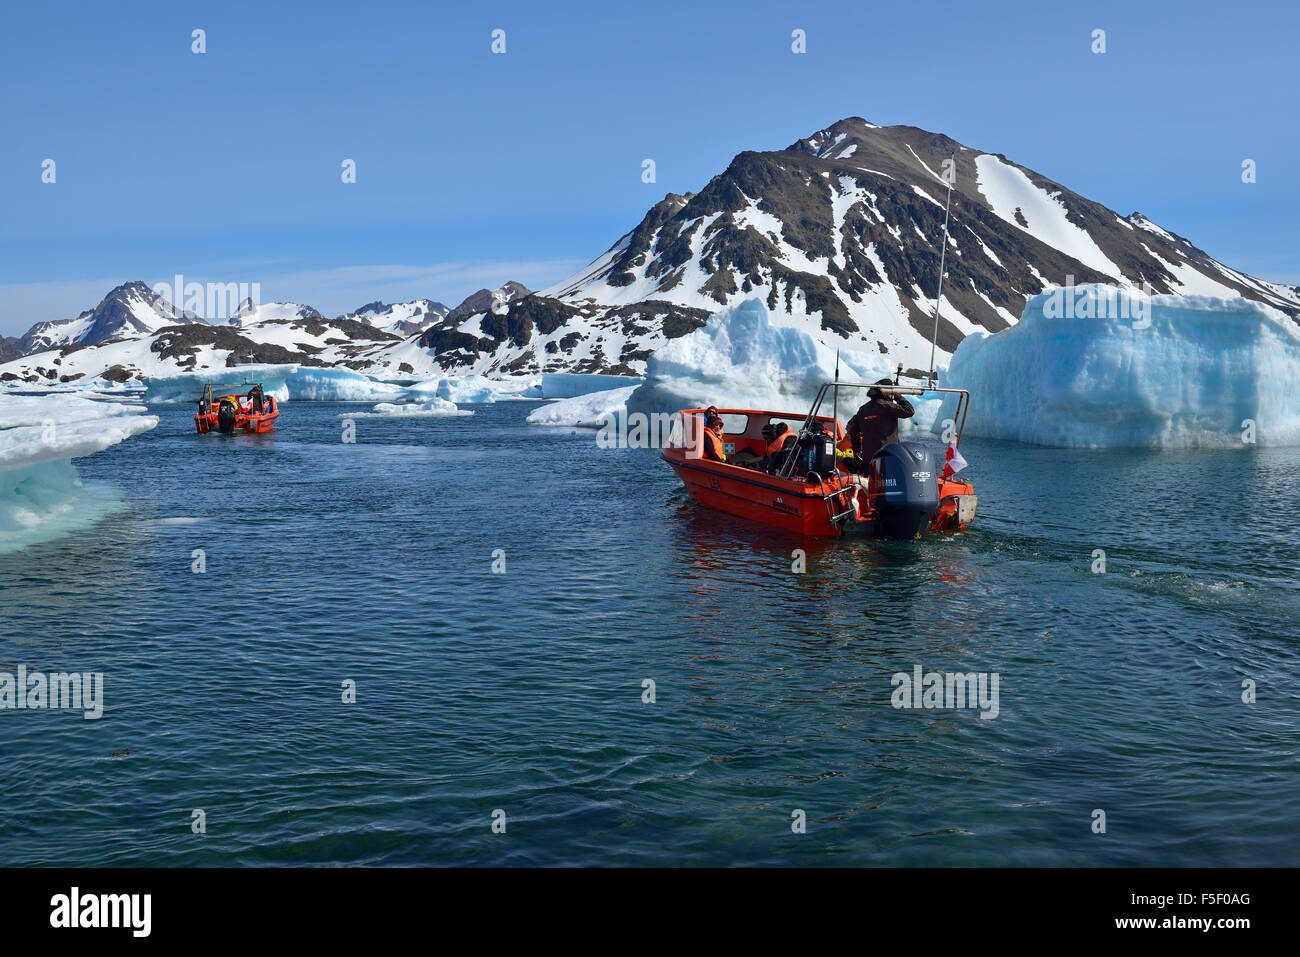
(372,562)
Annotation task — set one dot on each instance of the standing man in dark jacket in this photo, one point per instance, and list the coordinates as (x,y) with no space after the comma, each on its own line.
(876,424)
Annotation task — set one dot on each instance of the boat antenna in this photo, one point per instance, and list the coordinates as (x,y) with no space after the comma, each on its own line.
(943,255)
(836,406)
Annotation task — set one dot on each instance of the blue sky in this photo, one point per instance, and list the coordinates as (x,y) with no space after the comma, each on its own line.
(475,168)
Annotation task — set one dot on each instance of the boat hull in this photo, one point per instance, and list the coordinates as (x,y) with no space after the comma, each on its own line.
(249,424)
(750,494)
(800,507)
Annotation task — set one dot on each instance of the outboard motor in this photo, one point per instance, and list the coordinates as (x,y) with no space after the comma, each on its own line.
(226,417)
(905,488)
(816,454)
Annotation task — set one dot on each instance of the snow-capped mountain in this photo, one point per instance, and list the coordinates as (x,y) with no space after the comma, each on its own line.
(302,340)
(130,310)
(841,232)
(400,318)
(408,318)
(367,339)
(250,313)
(489,300)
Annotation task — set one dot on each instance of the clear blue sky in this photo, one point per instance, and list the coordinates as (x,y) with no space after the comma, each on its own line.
(474,168)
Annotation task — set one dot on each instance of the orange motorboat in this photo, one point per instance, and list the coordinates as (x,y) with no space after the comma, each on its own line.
(908,491)
(249,411)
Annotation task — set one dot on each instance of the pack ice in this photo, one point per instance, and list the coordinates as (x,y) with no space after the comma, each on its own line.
(41,495)
(1189,371)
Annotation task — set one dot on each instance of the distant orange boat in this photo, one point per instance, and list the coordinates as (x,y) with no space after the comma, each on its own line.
(250,411)
(908,492)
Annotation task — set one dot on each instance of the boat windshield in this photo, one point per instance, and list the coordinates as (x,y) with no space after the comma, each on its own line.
(939,412)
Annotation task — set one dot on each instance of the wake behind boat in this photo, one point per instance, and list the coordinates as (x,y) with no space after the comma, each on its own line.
(907,488)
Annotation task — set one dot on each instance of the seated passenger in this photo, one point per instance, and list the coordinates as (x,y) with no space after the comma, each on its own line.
(779,440)
(712,439)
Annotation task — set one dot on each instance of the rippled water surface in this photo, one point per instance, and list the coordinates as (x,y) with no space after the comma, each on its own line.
(372,562)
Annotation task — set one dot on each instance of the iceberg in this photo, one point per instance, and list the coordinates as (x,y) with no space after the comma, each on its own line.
(583,411)
(478,389)
(1182,372)
(740,359)
(338,385)
(187,386)
(567,385)
(285,382)
(41,495)
(434,407)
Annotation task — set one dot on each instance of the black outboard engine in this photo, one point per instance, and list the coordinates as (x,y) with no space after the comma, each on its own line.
(905,487)
(816,454)
(226,417)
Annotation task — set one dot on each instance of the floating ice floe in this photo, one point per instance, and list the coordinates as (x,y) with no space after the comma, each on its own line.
(1175,372)
(433,407)
(41,495)
(477,390)
(589,411)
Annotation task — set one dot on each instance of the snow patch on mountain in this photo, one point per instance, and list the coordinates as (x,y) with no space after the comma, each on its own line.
(1015,199)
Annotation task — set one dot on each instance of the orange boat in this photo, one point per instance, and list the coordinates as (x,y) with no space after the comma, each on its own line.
(250,411)
(907,492)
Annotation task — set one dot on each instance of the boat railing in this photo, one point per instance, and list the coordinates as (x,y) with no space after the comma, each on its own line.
(828,496)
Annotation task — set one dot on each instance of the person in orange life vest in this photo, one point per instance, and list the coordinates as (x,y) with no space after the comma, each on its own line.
(712,439)
(779,438)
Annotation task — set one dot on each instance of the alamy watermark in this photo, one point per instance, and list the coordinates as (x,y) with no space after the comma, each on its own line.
(1099,302)
(77,909)
(952,690)
(650,430)
(57,691)
(209,300)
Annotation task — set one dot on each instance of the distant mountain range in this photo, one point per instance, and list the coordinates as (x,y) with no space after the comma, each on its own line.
(838,233)
(134,332)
